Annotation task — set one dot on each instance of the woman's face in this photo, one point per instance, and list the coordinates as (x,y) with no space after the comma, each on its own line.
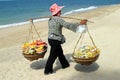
(59,13)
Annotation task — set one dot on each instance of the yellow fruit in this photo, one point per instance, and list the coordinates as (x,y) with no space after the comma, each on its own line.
(41,47)
(88,47)
(93,51)
(25,45)
(32,46)
(39,50)
(78,53)
(90,55)
(26,53)
(98,51)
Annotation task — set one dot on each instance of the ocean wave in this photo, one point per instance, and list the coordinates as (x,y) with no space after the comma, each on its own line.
(70,12)
(80,10)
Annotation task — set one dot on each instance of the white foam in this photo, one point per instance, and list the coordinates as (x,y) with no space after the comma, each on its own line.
(12,25)
(21,23)
(80,10)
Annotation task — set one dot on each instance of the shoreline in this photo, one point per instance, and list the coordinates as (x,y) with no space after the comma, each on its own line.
(72,12)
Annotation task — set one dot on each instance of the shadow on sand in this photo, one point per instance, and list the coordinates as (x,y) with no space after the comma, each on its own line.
(58,65)
(40,64)
(86,68)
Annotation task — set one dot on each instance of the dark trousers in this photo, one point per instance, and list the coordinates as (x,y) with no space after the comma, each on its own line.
(55,51)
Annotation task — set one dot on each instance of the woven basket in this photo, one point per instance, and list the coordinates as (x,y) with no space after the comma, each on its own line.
(35,56)
(86,61)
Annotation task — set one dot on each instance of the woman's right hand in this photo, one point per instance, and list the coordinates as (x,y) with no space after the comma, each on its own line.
(83,22)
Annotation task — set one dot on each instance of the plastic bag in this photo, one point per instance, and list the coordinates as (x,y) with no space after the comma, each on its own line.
(81,29)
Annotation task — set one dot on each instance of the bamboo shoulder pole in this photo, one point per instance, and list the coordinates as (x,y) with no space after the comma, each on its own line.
(60,16)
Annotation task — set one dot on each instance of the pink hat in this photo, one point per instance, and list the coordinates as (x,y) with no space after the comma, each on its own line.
(55,8)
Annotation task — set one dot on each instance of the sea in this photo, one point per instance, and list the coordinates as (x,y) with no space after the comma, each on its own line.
(17,12)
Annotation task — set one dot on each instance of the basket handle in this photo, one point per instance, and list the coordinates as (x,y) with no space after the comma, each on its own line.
(77,42)
(81,37)
(32,26)
(91,37)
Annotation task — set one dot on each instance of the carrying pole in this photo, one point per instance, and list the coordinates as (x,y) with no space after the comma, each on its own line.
(60,16)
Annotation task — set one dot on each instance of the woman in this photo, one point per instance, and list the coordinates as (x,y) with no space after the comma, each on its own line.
(56,38)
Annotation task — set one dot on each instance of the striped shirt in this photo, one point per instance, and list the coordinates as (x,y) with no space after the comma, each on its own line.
(55,28)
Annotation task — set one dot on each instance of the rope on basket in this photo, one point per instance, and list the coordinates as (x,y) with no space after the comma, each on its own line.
(32,26)
(30,32)
(82,34)
(90,37)
(35,28)
(77,43)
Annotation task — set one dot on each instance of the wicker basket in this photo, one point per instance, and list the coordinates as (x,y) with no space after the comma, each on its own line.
(35,56)
(86,61)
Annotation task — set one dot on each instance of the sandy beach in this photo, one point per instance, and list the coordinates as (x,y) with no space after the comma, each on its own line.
(105,31)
